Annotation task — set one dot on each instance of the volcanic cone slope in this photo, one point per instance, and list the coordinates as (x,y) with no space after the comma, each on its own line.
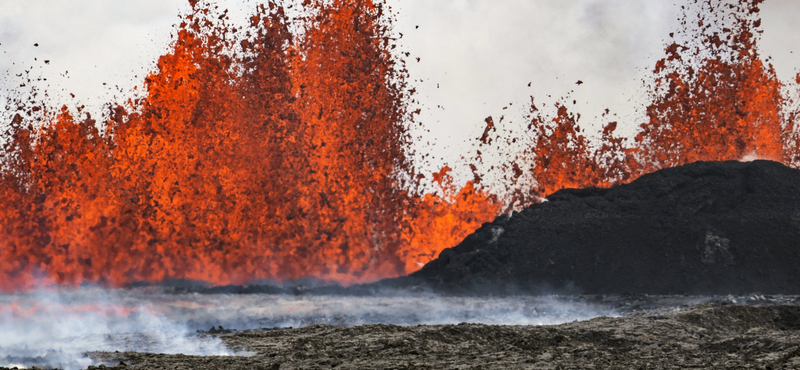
(702,228)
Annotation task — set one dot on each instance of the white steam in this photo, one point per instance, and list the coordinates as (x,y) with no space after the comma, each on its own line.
(57,328)
(752,156)
(269,311)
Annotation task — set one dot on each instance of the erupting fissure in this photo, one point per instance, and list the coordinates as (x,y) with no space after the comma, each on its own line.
(710,98)
(257,153)
(279,150)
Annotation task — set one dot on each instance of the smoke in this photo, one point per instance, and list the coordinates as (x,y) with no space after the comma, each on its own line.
(270,311)
(57,328)
(749,157)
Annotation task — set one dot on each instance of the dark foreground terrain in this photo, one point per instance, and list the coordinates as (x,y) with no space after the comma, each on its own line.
(706,336)
(702,228)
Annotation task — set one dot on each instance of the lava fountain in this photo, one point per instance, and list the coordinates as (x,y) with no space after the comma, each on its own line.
(272,151)
(280,150)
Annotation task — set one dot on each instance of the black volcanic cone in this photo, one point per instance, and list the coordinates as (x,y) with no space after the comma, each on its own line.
(703,228)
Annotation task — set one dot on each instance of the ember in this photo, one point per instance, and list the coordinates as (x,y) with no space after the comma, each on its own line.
(710,98)
(280,150)
(257,153)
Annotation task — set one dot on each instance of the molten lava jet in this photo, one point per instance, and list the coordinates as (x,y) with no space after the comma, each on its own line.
(257,153)
(280,150)
(711,97)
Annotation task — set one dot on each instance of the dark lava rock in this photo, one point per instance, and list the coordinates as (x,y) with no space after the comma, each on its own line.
(703,228)
(221,330)
(706,336)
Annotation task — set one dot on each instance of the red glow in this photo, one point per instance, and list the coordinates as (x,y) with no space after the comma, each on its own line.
(259,153)
(283,160)
(711,98)
(30,309)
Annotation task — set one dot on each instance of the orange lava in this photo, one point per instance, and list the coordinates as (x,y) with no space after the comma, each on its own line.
(30,309)
(711,98)
(256,154)
(264,152)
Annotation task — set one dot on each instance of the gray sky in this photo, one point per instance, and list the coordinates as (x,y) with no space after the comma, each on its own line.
(480,53)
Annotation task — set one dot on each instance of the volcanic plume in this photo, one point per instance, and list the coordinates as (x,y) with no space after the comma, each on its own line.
(280,150)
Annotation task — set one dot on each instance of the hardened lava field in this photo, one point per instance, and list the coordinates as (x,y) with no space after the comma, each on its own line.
(709,336)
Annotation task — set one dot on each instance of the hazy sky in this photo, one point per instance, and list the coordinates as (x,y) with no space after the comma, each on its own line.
(477,56)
